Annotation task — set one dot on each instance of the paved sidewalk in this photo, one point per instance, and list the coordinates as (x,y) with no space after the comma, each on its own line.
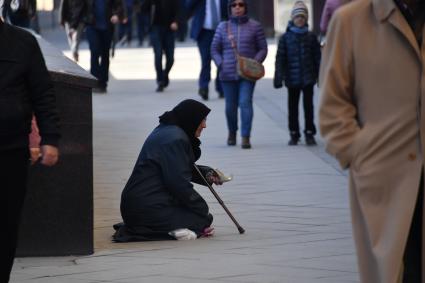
(292,201)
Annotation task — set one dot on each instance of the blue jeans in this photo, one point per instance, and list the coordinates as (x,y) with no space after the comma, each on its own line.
(239,93)
(99,44)
(162,39)
(204,41)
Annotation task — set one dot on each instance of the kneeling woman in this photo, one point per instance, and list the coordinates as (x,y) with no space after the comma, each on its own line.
(159,196)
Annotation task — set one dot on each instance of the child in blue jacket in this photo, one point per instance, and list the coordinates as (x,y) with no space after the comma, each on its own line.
(297,64)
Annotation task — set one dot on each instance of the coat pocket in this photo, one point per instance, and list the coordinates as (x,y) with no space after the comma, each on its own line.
(359,146)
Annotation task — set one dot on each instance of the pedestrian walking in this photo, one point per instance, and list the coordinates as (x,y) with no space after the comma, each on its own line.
(72,14)
(372,120)
(143,23)
(297,64)
(101,16)
(126,29)
(25,88)
(247,37)
(162,33)
(207,14)
(159,196)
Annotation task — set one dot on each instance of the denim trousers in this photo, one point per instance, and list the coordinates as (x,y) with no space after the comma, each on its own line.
(162,39)
(239,94)
(204,41)
(99,44)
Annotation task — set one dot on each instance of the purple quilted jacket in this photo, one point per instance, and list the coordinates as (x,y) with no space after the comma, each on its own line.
(250,41)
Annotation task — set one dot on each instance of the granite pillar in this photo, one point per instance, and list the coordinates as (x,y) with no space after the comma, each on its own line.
(57,218)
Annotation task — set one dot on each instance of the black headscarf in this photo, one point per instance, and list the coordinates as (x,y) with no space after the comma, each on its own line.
(187,115)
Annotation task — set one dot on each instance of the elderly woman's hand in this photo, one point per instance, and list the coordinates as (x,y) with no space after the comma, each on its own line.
(213,178)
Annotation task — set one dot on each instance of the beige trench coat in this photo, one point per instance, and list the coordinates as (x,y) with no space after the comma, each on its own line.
(372,83)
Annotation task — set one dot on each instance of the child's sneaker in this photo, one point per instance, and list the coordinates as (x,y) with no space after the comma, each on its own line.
(309,140)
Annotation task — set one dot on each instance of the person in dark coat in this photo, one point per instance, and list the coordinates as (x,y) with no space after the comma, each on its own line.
(207,14)
(159,196)
(72,14)
(165,17)
(101,17)
(297,64)
(25,89)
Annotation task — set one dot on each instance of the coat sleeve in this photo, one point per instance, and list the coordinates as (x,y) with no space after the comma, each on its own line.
(317,54)
(326,16)
(190,7)
(261,43)
(279,71)
(217,45)
(76,13)
(176,168)
(43,97)
(338,112)
(204,170)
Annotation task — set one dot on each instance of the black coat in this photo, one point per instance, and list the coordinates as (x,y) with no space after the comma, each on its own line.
(25,88)
(297,60)
(159,196)
(72,12)
(112,7)
(163,12)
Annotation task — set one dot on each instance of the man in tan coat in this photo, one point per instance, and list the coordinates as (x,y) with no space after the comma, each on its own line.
(372,117)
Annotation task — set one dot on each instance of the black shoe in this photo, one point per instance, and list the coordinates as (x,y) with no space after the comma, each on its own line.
(309,140)
(203,92)
(100,90)
(220,94)
(231,140)
(160,88)
(293,141)
(245,143)
(166,82)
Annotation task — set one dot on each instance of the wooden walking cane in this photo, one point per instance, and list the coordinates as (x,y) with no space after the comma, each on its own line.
(240,229)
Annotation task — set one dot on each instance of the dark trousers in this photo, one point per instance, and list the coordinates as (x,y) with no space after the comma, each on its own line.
(413,253)
(13,183)
(143,21)
(127,28)
(99,44)
(293,102)
(204,41)
(162,39)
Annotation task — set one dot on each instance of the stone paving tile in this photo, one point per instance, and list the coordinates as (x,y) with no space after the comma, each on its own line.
(292,201)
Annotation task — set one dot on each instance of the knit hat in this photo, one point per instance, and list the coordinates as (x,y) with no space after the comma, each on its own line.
(299,9)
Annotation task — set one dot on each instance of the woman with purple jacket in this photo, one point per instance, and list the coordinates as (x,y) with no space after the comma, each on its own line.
(248,36)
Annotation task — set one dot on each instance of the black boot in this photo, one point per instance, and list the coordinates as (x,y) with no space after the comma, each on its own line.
(295,138)
(309,140)
(231,140)
(203,92)
(246,144)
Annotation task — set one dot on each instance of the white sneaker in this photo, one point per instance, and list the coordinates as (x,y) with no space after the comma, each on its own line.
(183,234)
